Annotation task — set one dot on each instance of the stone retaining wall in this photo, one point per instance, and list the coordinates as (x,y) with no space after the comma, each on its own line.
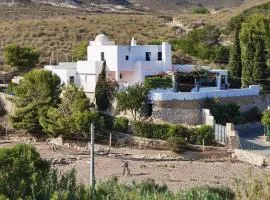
(140,142)
(189,111)
(251,157)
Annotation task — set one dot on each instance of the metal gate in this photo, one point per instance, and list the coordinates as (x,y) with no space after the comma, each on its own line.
(220,134)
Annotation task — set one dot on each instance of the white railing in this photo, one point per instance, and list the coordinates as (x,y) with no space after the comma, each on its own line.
(168,94)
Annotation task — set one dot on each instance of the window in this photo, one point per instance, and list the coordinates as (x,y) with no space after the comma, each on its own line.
(71,80)
(120,75)
(127,57)
(102,57)
(159,55)
(147,56)
(223,79)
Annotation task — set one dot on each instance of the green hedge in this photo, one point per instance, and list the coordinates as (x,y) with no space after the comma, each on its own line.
(205,133)
(158,82)
(108,122)
(159,131)
(165,131)
(120,124)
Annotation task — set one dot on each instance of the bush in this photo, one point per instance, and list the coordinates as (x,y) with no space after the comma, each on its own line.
(25,175)
(11,88)
(203,43)
(200,10)
(158,82)
(205,133)
(150,130)
(120,124)
(178,131)
(252,115)
(20,167)
(106,121)
(228,113)
(207,192)
(176,144)
(159,131)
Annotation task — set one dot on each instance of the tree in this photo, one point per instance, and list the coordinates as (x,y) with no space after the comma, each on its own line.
(21,57)
(80,51)
(72,115)
(235,61)
(255,41)
(259,66)
(247,62)
(132,99)
(266,118)
(20,167)
(37,91)
(102,91)
(25,175)
(266,121)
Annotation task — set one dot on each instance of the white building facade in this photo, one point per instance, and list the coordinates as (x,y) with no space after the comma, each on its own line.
(130,64)
(127,64)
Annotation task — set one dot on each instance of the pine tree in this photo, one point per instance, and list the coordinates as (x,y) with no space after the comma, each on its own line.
(102,91)
(259,67)
(235,61)
(248,61)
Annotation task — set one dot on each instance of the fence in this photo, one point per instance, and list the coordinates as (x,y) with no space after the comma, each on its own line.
(223,134)
(220,133)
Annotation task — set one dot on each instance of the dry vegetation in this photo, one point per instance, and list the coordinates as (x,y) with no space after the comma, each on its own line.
(217,18)
(60,34)
(57,29)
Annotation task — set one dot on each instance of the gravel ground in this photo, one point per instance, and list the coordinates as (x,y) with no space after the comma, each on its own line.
(175,174)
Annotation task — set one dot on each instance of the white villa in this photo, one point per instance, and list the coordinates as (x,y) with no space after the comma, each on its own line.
(130,64)
(126,64)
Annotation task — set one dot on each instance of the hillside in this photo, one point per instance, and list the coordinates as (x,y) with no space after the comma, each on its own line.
(168,6)
(218,18)
(57,26)
(61,34)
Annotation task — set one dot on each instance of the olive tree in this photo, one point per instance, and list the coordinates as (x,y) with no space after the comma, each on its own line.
(132,99)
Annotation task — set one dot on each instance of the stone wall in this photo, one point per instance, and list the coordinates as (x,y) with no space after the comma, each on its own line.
(190,111)
(251,157)
(208,118)
(140,142)
(183,112)
(233,141)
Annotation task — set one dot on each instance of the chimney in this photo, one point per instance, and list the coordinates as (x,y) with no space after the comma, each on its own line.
(133,42)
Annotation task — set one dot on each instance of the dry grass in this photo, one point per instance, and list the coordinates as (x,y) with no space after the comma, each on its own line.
(60,34)
(219,18)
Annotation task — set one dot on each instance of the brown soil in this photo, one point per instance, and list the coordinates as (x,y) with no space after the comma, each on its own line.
(213,167)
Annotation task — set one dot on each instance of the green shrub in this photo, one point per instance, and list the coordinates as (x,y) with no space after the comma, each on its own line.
(120,124)
(176,144)
(163,131)
(203,43)
(151,130)
(20,167)
(207,192)
(106,121)
(200,10)
(205,133)
(11,88)
(228,113)
(178,131)
(252,115)
(158,82)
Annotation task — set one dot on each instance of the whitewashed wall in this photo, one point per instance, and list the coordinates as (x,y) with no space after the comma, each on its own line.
(165,95)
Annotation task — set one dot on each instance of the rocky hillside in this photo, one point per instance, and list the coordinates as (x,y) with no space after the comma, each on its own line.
(170,6)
